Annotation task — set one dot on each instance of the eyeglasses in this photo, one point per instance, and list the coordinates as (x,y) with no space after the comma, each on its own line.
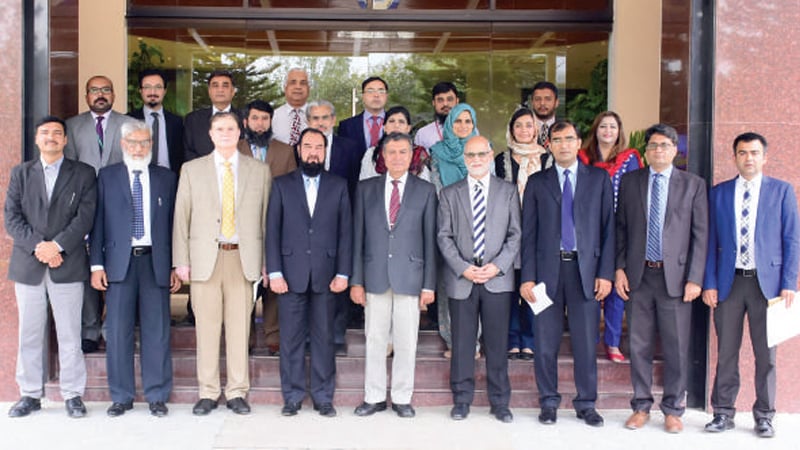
(141,144)
(97,90)
(564,140)
(375,91)
(481,155)
(148,87)
(660,145)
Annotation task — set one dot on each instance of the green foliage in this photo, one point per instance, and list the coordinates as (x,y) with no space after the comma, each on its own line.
(636,140)
(147,57)
(586,106)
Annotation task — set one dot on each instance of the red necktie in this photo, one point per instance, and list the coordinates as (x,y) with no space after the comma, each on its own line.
(374,131)
(394,203)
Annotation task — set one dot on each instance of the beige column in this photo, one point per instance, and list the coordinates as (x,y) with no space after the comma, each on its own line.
(103,47)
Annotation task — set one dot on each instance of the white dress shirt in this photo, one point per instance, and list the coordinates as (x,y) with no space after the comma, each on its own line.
(282,122)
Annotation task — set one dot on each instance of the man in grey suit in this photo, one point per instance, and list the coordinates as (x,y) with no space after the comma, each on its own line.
(659,205)
(94,137)
(394,272)
(479,238)
(49,209)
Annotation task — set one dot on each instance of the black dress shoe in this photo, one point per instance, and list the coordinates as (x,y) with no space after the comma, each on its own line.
(325,409)
(460,411)
(204,407)
(368,409)
(89,346)
(404,410)
(75,407)
(239,405)
(764,428)
(502,413)
(290,409)
(525,356)
(25,406)
(548,415)
(591,417)
(158,409)
(720,423)
(341,349)
(117,409)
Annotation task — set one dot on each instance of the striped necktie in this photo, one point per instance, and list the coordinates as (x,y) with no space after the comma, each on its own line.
(478,222)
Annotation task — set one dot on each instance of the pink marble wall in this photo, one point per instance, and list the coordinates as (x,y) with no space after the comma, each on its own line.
(757,70)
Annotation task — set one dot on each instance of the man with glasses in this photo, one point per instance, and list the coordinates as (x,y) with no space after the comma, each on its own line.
(568,245)
(366,128)
(479,239)
(662,232)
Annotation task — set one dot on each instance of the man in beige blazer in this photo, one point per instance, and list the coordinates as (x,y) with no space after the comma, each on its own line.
(218,243)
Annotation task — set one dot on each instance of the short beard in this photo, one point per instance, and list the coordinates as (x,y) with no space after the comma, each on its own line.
(152,105)
(311,169)
(258,139)
(137,164)
(440,118)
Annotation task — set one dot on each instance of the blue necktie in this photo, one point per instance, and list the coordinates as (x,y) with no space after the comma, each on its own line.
(567,222)
(654,226)
(138,214)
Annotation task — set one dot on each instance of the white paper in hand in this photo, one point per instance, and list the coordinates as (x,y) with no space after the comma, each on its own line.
(542,300)
(782,323)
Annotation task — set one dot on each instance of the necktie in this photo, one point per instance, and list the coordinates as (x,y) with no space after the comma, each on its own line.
(394,203)
(654,226)
(542,138)
(138,213)
(567,222)
(745,248)
(311,194)
(478,222)
(295,133)
(374,130)
(156,136)
(228,219)
(98,128)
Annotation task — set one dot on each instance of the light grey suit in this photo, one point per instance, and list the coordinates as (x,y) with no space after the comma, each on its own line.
(82,142)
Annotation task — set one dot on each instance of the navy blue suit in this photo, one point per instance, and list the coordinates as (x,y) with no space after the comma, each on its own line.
(569,284)
(136,283)
(309,251)
(353,129)
(346,161)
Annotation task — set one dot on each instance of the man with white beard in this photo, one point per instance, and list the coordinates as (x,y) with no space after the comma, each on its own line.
(131,260)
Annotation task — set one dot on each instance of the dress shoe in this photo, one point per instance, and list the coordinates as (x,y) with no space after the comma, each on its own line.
(404,410)
(325,409)
(75,407)
(25,406)
(502,413)
(764,428)
(204,407)
(239,405)
(460,411)
(591,417)
(513,353)
(89,345)
(720,423)
(290,409)
(637,420)
(673,424)
(548,415)
(525,356)
(158,409)
(340,349)
(117,408)
(614,355)
(368,409)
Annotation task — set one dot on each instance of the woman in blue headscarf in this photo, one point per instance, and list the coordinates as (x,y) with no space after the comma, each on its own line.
(447,155)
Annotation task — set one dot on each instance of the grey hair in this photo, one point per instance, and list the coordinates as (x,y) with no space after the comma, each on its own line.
(317,104)
(296,69)
(133,125)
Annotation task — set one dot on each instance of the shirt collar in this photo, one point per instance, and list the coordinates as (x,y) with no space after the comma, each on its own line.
(148,112)
(218,159)
(483,180)
(105,115)
(402,179)
(573,169)
(756,181)
(56,164)
(214,110)
(667,172)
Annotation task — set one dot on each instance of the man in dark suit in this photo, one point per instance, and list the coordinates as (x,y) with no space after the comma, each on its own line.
(568,244)
(753,256)
(308,248)
(662,227)
(394,272)
(131,260)
(49,209)
(366,128)
(167,128)
(221,89)
(479,238)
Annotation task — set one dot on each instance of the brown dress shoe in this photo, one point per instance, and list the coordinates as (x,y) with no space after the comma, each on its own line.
(673,424)
(637,420)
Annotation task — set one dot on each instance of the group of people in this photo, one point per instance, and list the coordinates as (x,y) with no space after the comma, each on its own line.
(271,203)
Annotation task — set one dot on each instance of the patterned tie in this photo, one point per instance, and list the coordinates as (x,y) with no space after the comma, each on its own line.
(654,226)
(98,128)
(228,218)
(156,136)
(745,248)
(311,194)
(542,138)
(295,134)
(478,222)
(567,222)
(138,212)
(394,203)
(374,130)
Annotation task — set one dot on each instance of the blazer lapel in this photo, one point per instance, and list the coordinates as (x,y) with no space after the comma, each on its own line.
(37,179)
(155,199)
(211,174)
(643,191)
(676,187)
(465,205)
(64,175)
(552,184)
(242,178)
(580,184)
(300,185)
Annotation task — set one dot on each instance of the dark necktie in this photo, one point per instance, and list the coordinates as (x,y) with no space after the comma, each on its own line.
(394,203)
(138,211)
(567,222)
(654,225)
(156,137)
(746,235)
(542,138)
(98,128)
(374,130)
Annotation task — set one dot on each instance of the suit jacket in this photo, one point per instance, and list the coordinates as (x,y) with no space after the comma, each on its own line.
(174,137)
(684,236)
(353,129)
(593,213)
(402,258)
(309,250)
(346,162)
(280,156)
(29,219)
(502,235)
(776,237)
(82,142)
(198,215)
(110,243)
(196,140)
